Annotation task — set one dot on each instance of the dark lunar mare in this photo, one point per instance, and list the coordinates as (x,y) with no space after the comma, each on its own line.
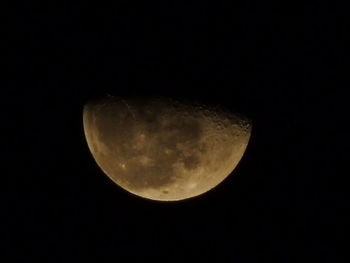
(165,125)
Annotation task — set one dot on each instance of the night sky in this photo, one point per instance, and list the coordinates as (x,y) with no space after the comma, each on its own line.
(277,66)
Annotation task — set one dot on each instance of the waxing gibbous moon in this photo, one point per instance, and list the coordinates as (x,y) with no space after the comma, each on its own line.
(164,149)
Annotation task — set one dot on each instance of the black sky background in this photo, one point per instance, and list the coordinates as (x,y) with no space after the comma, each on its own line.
(277,66)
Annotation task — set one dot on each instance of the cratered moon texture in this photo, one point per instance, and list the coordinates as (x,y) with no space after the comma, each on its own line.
(164,149)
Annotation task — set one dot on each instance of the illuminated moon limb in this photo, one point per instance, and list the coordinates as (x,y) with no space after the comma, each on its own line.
(162,149)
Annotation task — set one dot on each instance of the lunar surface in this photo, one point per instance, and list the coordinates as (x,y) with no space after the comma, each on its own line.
(163,149)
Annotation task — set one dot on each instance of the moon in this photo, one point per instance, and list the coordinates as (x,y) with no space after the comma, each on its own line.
(164,149)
